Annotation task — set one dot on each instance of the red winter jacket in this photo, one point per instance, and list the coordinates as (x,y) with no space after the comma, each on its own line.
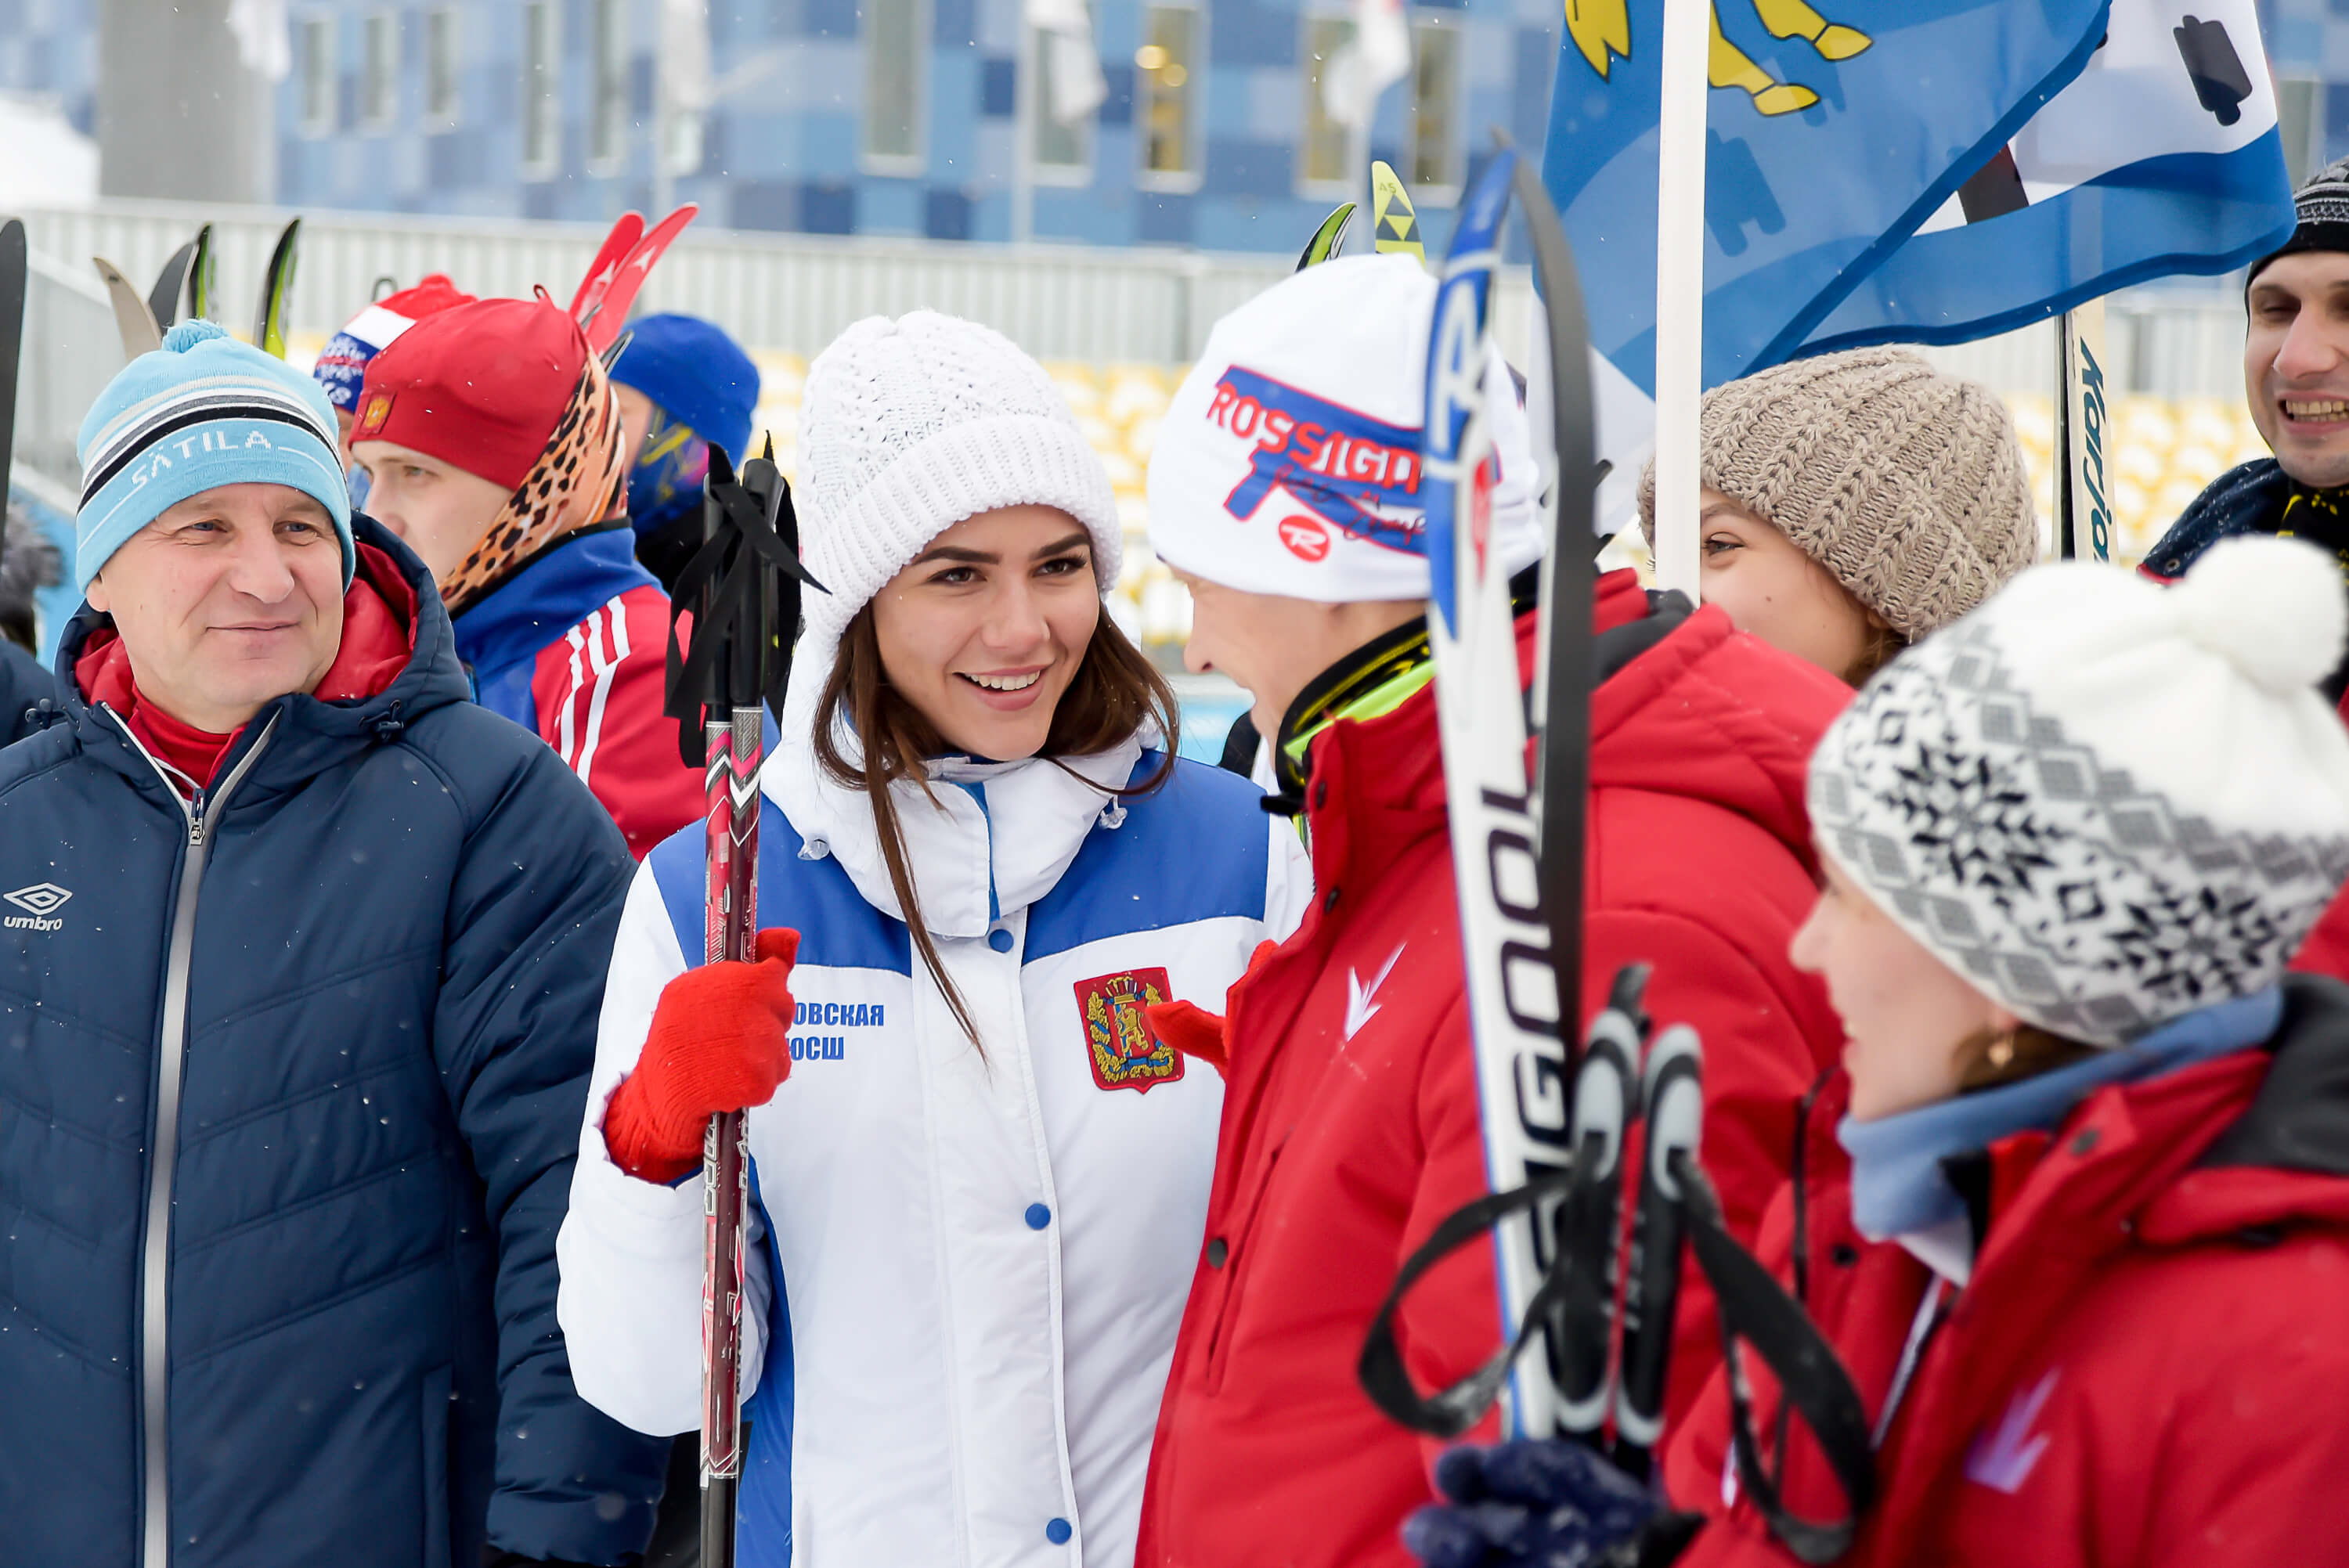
(1349,1125)
(574,646)
(2150,1366)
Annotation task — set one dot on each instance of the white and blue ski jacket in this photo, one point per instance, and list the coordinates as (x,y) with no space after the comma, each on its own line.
(968,1268)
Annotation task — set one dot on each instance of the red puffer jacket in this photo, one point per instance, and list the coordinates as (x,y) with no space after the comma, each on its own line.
(1349,1125)
(2149,1366)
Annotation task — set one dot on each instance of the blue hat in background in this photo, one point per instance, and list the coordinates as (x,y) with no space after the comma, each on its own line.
(700,376)
(203,410)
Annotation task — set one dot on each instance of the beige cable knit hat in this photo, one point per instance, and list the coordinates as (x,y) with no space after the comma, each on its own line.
(1905,483)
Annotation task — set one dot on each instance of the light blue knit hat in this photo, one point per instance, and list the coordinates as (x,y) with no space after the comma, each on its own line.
(203,410)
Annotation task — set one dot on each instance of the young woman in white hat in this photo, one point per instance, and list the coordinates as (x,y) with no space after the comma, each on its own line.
(980,1193)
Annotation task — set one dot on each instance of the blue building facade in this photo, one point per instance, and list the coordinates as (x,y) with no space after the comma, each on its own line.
(796,139)
(48,49)
(868,116)
(902,117)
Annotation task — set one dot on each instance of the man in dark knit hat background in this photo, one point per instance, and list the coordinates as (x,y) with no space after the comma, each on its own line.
(2297,377)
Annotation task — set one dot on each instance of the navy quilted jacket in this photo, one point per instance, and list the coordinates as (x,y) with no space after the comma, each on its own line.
(290,1091)
(23,684)
(2246,498)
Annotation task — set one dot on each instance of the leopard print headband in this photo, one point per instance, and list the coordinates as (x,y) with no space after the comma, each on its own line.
(578,481)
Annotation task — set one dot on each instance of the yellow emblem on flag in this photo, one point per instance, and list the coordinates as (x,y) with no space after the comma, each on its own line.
(1601,31)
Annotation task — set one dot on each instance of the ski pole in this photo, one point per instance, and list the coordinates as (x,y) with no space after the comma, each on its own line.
(731,742)
(744,586)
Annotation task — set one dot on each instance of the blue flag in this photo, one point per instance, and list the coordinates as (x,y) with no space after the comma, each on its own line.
(1830,139)
(2162,157)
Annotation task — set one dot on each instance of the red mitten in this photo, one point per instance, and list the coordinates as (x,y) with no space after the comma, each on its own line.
(1196,1032)
(1190,1029)
(720,1041)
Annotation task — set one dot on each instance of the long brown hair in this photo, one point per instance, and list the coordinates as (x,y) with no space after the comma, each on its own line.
(1883,645)
(1113,694)
(1988,1058)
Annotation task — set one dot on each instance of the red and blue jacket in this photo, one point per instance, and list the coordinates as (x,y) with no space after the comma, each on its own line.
(2145,1366)
(573,647)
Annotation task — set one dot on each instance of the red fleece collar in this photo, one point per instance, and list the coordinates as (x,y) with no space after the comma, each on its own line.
(378,639)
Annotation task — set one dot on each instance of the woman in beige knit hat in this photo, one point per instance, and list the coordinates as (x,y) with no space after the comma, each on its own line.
(1855,501)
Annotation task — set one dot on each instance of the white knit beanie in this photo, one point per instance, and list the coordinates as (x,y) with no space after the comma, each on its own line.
(2102,802)
(908,426)
(1288,462)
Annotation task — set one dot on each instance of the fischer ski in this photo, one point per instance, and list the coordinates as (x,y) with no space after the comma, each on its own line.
(277,294)
(1394,221)
(132,319)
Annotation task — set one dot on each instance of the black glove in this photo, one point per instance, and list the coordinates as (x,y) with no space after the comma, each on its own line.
(1532,1504)
(493,1557)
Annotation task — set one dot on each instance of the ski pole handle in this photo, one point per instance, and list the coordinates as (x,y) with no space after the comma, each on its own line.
(1673,1092)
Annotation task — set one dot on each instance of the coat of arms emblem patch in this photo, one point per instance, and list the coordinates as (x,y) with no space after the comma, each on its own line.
(1123,1052)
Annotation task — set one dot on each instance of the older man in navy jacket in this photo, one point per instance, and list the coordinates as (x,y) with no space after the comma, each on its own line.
(299,968)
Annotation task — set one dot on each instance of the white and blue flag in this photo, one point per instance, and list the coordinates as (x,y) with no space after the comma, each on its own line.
(1834,132)
(2162,157)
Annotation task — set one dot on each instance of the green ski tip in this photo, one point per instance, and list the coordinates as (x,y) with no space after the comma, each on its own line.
(1327,238)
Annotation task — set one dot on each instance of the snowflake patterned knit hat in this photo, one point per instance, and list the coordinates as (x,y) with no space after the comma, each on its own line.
(2105,803)
(908,426)
(1905,483)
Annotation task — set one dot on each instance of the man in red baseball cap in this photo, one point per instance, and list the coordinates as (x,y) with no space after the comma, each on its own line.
(492,444)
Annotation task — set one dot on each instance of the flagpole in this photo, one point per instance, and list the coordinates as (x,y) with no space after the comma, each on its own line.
(2068,399)
(1023,136)
(1680,289)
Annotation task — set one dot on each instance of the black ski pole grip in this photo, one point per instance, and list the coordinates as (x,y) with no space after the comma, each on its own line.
(1672,1092)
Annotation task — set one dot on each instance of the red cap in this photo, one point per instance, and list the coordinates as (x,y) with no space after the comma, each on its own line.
(433,293)
(480,386)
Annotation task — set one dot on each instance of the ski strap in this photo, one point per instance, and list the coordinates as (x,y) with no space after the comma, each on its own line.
(1756,1310)
(751,536)
(1454,1410)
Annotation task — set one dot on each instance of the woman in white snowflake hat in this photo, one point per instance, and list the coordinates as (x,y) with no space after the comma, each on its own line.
(2076,1217)
(979,1197)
